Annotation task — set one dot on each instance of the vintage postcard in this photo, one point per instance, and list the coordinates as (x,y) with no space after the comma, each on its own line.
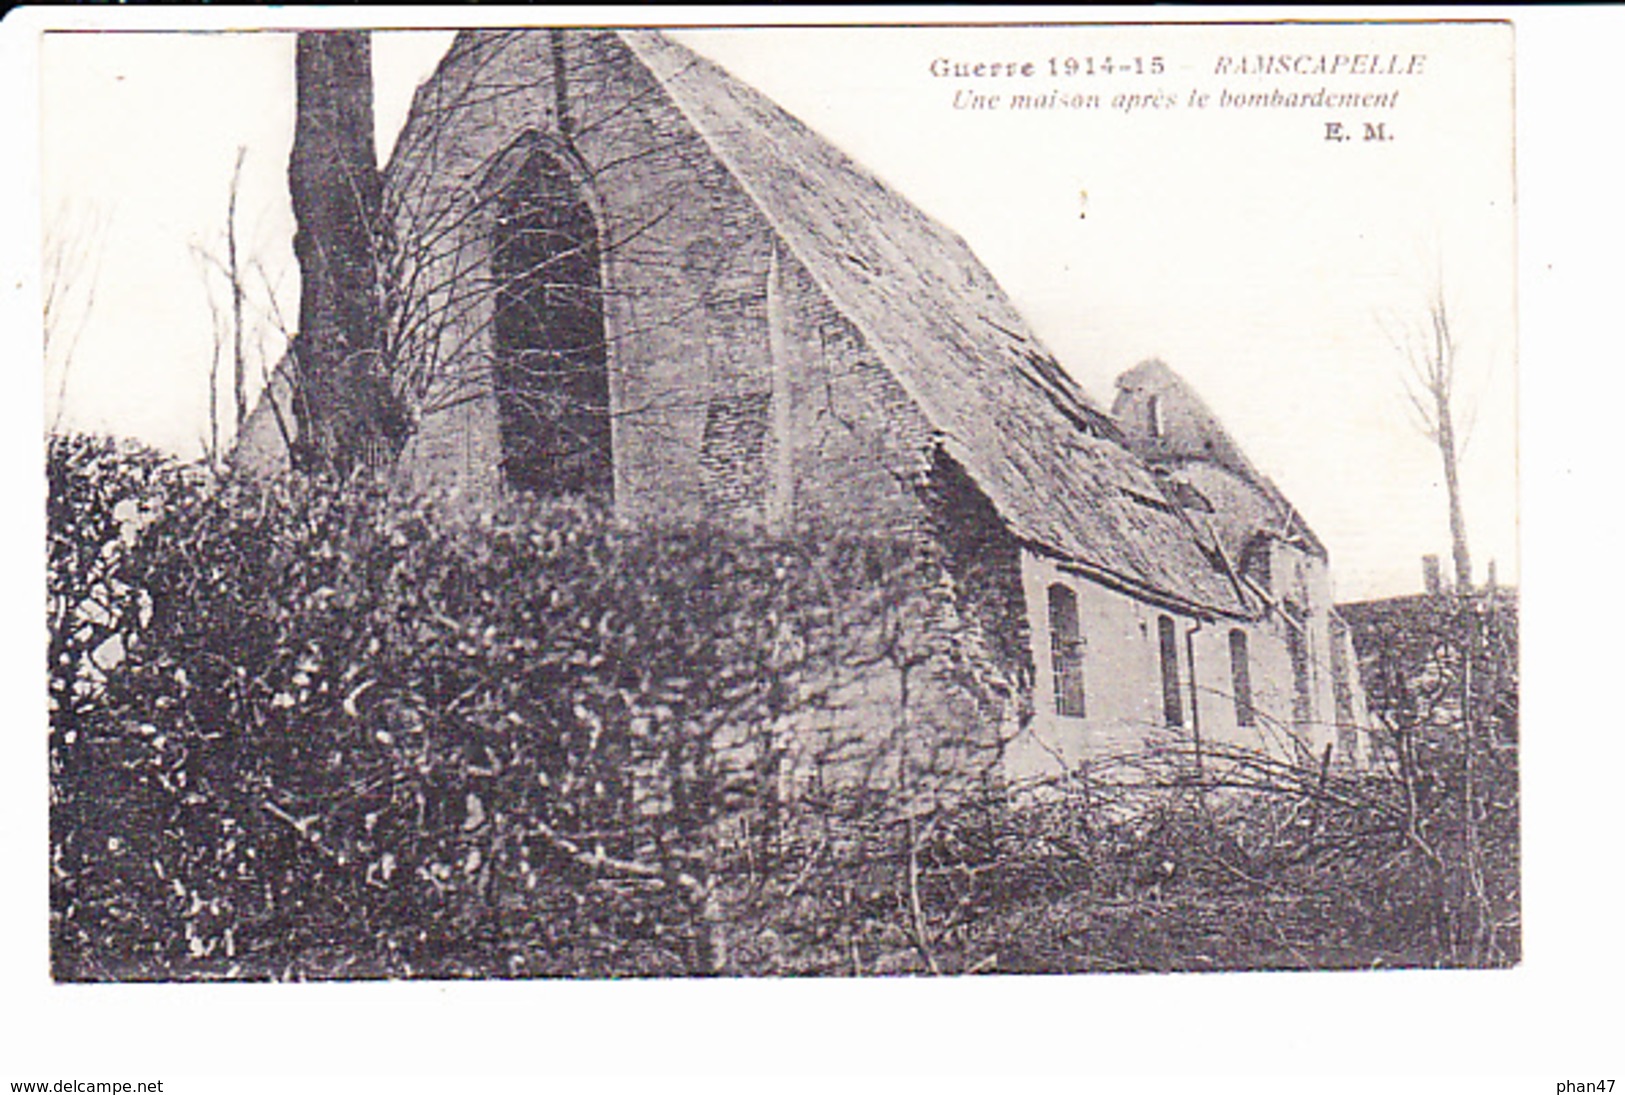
(745,501)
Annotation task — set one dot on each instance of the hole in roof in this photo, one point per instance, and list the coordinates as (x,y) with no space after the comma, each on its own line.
(1191,498)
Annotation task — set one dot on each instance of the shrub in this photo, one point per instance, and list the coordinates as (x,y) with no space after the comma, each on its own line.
(1442,674)
(99,493)
(366,736)
(344,733)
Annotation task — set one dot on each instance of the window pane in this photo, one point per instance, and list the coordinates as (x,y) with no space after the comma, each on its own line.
(1066,651)
(1173,707)
(1241,677)
(1298,647)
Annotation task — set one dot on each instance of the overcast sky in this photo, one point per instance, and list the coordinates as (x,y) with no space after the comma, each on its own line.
(1259,260)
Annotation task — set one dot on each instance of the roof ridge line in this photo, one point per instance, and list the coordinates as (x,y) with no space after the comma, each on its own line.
(1035,346)
(643,44)
(781,237)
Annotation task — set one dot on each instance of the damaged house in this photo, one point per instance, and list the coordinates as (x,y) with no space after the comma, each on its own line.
(623,273)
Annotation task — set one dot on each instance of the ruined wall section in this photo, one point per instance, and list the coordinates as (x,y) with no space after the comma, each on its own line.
(857,447)
(737,391)
(667,242)
(1163,419)
(859,457)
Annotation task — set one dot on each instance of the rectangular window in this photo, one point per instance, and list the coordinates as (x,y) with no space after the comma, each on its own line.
(1173,706)
(1342,688)
(1066,651)
(1343,691)
(1241,677)
(1297,643)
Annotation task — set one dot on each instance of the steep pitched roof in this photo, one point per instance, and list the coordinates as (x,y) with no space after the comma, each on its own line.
(1201,439)
(1045,454)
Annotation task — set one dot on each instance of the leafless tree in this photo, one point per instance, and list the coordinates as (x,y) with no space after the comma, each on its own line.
(474,288)
(237,315)
(1432,386)
(343,399)
(70,272)
(239,372)
(218,332)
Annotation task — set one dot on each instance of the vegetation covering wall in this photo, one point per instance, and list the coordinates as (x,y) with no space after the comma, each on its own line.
(306,729)
(350,731)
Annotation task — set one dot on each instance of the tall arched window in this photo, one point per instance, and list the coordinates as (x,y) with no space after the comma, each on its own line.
(1173,701)
(550,371)
(1066,651)
(1297,644)
(1241,677)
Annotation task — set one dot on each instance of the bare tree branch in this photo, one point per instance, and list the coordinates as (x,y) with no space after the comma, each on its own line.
(71,273)
(1430,353)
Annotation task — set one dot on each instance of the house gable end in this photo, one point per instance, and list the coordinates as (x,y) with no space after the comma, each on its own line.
(1002,407)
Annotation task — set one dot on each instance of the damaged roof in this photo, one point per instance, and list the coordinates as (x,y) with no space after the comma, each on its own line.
(1046,456)
(1200,440)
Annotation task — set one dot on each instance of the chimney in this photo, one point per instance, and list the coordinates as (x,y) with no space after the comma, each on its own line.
(1432,583)
(341,399)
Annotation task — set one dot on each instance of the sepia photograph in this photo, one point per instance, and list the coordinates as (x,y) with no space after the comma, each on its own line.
(778,500)
(591,523)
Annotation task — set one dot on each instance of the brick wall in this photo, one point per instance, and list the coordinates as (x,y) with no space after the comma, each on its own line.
(738,392)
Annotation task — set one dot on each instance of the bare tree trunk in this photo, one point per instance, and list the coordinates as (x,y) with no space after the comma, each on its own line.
(1431,388)
(239,369)
(214,389)
(347,411)
(1449,454)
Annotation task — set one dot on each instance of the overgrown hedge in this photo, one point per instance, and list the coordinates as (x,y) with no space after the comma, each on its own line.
(352,734)
(99,493)
(302,729)
(1442,679)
